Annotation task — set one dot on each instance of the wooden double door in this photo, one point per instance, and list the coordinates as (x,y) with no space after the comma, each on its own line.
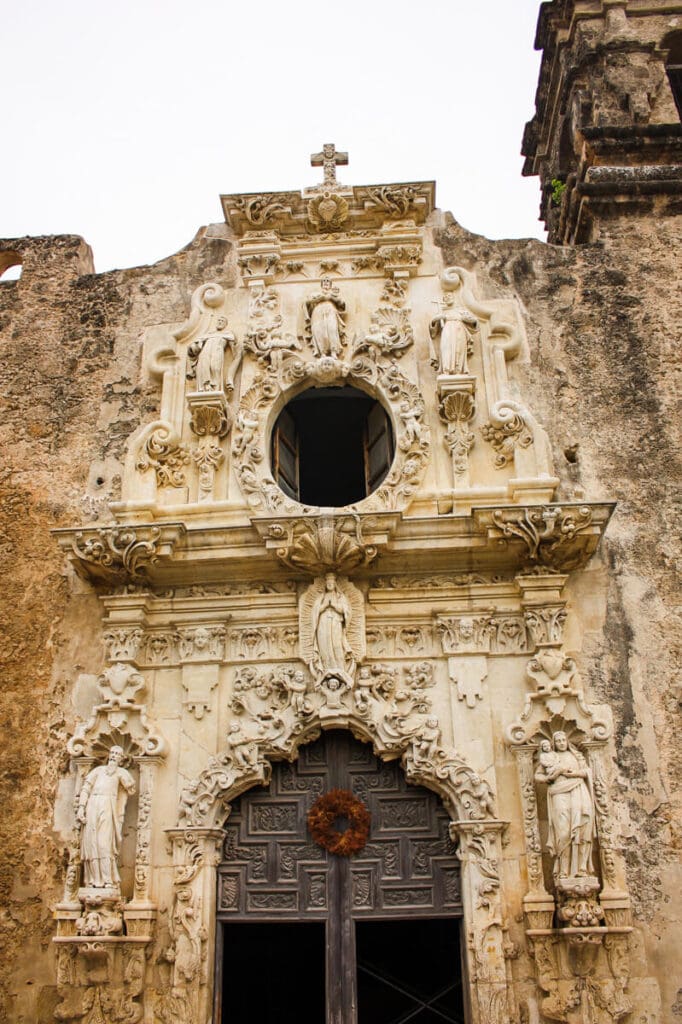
(310,937)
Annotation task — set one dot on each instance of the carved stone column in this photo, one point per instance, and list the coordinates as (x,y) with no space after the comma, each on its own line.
(196,853)
(480,852)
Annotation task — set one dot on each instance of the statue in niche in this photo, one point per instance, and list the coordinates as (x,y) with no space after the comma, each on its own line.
(570,806)
(451,332)
(325,326)
(331,628)
(207,358)
(101,806)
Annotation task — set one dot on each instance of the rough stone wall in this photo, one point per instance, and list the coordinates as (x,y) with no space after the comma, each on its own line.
(71,395)
(602,377)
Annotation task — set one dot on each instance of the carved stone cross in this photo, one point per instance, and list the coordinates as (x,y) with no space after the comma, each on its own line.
(329,159)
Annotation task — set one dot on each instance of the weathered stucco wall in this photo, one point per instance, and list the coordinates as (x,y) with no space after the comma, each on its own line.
(603,377)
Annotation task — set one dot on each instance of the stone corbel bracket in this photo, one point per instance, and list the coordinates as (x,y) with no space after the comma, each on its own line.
(327,543)
(119,554)
(559,537)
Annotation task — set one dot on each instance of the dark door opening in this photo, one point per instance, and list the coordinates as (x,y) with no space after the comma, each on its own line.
(331,446)
(409,971)
(276,973)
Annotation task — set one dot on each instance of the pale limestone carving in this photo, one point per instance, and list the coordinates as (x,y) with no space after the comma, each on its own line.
(547,531)
(101,807)
(331,628)
(397,200)
(452,333)
(123,644)
(552,671)
(265,337)
(328,211)
(207,458)
(328,159)
(399,722)
(508,431)
(210,415)
(113,553)
(206,358)
(119,685)
(322,544)
(201,643)
(324,320)
(391,387)
(163,452)
(570,806)
(457,408)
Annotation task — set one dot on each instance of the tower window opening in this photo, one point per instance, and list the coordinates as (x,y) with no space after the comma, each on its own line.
(331,446)
(673,67)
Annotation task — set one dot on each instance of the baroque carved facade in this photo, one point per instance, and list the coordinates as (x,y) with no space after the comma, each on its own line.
(458,616)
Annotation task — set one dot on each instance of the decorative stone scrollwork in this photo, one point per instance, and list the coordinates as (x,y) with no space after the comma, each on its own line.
(276,711)
(118,720)
(390,332)
(397,200)
(114,553)
(559,538)
(505,432)
(328,211)
(250,441)
(262,209)
(163,452)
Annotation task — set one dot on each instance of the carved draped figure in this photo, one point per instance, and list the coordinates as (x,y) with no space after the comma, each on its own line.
(570,814)
(331,616)
(324,311)
(452,329)
(210,361)
(103,798)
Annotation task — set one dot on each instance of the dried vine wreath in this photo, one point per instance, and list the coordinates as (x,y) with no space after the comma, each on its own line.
(339,803)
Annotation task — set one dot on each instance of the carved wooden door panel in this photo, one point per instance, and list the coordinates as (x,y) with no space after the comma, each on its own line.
(273,871)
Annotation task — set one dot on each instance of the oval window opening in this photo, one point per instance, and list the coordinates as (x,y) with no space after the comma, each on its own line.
(331,446)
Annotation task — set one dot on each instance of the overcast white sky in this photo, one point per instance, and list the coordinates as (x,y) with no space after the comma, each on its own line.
(123,122)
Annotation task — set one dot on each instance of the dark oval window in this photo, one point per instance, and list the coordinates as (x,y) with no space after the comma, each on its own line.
(331,446)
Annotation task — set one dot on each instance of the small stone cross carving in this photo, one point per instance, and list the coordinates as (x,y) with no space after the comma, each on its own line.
(330,160)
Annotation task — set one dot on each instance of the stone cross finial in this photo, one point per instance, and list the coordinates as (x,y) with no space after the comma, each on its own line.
(330,160)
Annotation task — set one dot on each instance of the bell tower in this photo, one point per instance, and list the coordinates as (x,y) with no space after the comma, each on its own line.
(606,138)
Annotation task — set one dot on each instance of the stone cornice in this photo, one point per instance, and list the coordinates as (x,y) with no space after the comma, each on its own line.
(509,538)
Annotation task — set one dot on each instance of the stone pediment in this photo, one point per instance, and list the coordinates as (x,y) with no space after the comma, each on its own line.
(329,209)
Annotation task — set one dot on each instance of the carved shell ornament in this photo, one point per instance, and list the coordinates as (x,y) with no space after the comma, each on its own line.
(327,211)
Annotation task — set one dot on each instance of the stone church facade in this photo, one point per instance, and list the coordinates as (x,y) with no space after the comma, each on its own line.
(340,601)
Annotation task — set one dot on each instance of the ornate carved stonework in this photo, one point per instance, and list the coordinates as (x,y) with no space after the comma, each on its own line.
(433,619)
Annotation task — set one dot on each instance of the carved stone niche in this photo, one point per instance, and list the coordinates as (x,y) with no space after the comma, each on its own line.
(576,907)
